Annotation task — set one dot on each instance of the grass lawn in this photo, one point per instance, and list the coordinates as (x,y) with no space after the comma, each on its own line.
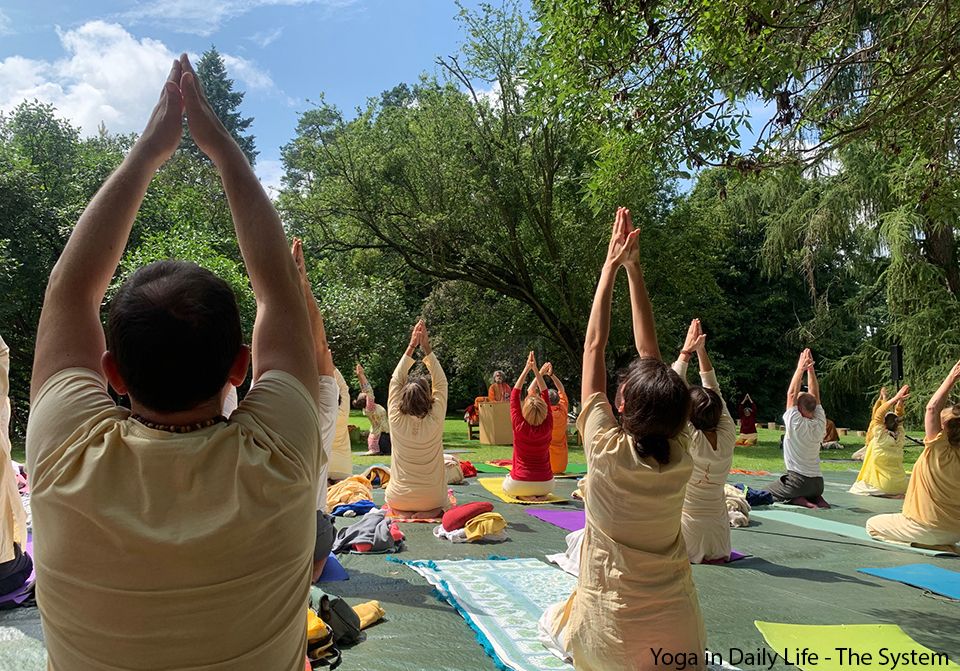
(765,456)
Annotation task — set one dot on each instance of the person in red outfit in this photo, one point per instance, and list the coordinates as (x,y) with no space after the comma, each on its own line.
(531,476)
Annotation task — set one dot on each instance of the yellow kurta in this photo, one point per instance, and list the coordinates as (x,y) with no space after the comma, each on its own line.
(635,590)
(705,523)
(933,495)
(13,518)
(170,550)
(341,460)
(417,479)
(882,470)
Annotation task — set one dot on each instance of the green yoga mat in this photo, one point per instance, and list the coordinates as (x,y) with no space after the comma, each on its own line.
(572,469)
(845,647)
(487,468)
(840,528)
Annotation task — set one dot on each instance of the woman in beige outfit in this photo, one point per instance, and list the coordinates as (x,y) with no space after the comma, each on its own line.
(706,526)
(416,410)
(635,606)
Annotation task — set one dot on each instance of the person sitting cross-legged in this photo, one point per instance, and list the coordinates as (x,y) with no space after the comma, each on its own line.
(167,536)
(805,420)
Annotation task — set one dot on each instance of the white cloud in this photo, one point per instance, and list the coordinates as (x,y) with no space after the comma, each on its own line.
(205,18)
(107,75)
(270,173)
(265,38)
(247,73)
(6,25)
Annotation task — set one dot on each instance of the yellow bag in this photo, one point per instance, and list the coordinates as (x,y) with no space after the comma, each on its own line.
(320,648)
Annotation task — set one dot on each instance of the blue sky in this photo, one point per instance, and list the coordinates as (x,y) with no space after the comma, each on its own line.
(105,60)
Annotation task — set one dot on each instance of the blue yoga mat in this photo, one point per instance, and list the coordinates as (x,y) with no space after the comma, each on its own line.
(333,571)
(925,576)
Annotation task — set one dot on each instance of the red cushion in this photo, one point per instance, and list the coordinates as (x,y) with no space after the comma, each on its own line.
(458,516)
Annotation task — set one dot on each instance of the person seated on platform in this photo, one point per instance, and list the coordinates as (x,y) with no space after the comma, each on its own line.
(705,523)
(559,406)
(16,564)
(747,411)
(831,437)
(530,478)
(417,407)
(500,389)
(341,456)
(931,508)
(882,471)
(167,536)
(805,423)
(861,454)
(635,593)
(378,440)
(327,410)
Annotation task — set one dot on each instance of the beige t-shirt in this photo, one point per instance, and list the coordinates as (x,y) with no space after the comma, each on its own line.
(158,550)
(341,460)
(417,479)
(635,590)
(13,518)
(933,495)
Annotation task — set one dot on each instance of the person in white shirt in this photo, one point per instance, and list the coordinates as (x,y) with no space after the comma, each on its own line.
(805,423)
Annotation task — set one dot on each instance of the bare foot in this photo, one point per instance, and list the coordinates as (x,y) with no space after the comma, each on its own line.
(534,498)
(802,501)
(820,502)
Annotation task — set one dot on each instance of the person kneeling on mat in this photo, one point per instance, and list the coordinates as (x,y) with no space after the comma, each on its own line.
(805,423)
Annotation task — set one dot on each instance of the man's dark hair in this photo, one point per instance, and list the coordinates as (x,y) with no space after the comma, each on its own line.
(174,330)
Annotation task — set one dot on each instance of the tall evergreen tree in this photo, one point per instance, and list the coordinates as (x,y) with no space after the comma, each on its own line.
(225,101)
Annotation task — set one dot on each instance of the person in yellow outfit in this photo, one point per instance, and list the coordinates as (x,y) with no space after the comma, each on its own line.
(861,454)
(882,471)
(418,484)
(931,509)
(705,523)
(15,564)
(635,600)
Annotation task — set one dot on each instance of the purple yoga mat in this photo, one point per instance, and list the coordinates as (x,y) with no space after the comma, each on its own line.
(571,520)
(21,594)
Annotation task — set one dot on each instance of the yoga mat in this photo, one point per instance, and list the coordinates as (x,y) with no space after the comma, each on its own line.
(502,600)
(488,468)
(571,520)
(458,451)
(862,639)
(839,528)
(333,571)
(495,487)
(925,576)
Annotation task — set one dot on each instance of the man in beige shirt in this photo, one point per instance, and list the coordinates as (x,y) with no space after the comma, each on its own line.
(168,537)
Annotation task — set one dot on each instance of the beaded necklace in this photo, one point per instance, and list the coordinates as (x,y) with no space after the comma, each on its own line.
(179,428)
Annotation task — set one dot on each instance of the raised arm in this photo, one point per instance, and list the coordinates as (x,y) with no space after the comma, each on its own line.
(621,250)
(438,377)
(691,345)
(282,339)
(402,372)
(813,384)
(538,377)
(321,346)
(882,408)
(366,388)
(644,326)
(794,387)
(931,419)
(70,333)
(531,362)
(545,370)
